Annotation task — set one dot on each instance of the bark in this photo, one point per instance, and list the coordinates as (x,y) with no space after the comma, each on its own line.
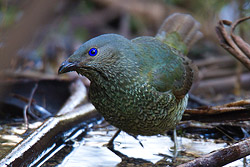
(222,156)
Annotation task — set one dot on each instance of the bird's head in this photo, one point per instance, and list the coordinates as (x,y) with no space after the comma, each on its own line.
(98,55)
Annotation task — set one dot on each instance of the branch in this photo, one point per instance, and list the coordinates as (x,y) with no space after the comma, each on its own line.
(245,48)
(222,156)
(234,44)
(211,110)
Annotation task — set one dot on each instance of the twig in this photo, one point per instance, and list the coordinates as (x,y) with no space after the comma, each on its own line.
(222,156)
(233,106)
(224,133)
(238,40)
(31,97)
(234,44)
(238,103)
(42,140)
(212,110)
(25,116)
(40,109)
(28,107)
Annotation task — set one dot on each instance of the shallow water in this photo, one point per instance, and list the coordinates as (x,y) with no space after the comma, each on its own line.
(91,150)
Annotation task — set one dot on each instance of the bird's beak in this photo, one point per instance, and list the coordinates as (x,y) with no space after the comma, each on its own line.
(66,67)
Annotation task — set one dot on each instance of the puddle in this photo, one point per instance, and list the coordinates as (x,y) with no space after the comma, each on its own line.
(91,152)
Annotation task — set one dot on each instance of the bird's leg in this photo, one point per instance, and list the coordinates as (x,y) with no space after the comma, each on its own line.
(110,146)
(175,144)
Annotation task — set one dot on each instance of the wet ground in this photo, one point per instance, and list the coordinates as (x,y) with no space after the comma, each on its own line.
(89,149)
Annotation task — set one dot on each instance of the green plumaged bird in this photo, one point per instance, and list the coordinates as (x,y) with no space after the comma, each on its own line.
(141,85)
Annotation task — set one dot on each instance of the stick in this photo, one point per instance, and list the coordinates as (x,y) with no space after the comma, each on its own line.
(28,107)
(234,44)
(233,106)
(223,156)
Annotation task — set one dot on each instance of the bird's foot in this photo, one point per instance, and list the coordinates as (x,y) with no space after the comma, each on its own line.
(110,146)
(118,153)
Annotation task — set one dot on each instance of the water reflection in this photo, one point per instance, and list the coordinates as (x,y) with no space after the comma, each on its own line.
(91,152)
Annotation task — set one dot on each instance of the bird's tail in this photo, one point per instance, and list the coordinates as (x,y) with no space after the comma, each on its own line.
(179,31)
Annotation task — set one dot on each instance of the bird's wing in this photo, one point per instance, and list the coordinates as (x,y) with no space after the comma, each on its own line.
(176,75)
(166,69)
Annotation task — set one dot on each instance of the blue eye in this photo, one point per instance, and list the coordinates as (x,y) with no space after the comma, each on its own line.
(93,52)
